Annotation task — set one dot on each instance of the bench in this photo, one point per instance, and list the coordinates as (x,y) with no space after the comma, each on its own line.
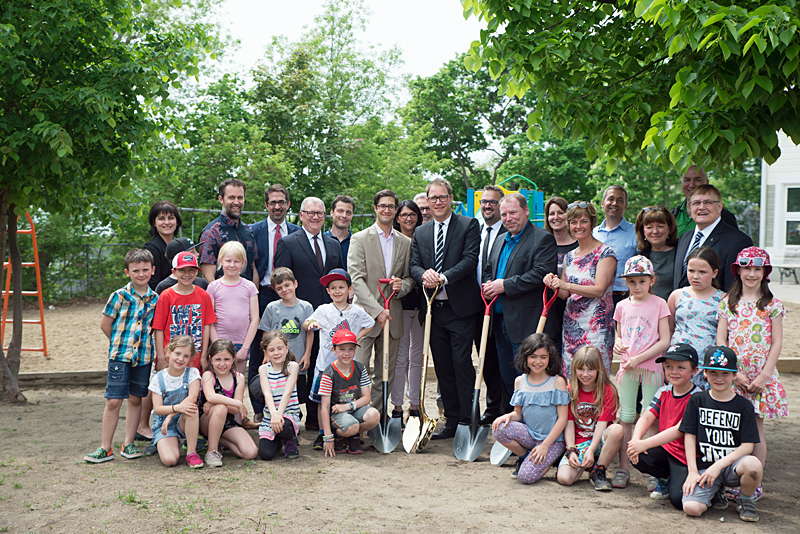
(787,266)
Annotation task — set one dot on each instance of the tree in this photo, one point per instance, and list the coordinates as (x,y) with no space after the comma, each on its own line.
(694,82)
(78,105)
(466,114)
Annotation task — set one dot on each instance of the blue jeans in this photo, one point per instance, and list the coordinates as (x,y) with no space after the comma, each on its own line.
(506,353)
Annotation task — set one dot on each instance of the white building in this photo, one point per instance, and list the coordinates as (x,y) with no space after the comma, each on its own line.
(780,204)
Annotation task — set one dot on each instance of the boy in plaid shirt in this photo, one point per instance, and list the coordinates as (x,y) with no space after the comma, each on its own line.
(127,320)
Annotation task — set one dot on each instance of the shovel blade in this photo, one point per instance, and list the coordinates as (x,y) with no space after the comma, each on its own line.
(499,454)
(468,444)
(411,434)
(386,438)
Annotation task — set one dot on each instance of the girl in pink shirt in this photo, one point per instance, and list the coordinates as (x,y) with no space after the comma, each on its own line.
(642,322)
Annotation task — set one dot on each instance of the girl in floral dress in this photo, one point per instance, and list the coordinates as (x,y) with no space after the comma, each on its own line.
(586,282)
(751,323)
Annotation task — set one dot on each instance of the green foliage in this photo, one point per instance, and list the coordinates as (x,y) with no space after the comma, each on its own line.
(692,82)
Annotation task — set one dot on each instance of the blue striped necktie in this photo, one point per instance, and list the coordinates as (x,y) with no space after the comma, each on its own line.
(439,260)
(695,244)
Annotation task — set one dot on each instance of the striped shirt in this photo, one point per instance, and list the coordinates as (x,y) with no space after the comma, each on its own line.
(277,383)
(343,389)
(131,339)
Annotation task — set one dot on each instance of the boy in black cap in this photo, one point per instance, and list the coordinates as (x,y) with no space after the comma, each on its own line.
(174,247)
(663,455)
(721,426)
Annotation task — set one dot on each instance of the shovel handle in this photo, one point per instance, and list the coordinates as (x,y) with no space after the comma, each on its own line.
(429,299)
(380,288)
(546,304)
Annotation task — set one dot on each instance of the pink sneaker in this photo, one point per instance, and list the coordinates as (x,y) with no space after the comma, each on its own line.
(194,461)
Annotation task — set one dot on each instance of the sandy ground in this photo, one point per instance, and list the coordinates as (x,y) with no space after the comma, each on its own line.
(46,486)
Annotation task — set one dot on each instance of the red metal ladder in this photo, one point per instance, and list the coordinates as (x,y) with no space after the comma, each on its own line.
(37,293)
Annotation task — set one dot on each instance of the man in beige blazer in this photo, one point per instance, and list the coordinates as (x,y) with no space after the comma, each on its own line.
(375,253)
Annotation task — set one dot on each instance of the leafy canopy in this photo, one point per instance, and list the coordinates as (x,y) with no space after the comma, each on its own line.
(689,82)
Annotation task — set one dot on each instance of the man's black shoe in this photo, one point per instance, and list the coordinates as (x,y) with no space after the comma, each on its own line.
(446,432)
(488,418)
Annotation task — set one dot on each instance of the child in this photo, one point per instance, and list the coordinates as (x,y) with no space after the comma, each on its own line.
(694,309)
(590,440)
(175,247)
(286,315)
(278,380)
(126,323)
(751,323)
(184,310)
(720,432)
(221,399)
(329,319)
(175,391)
(534,431)
(345,393)
(663,455)
(235,302)
(642,335)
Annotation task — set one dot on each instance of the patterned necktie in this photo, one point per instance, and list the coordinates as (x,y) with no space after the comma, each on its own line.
(695,244)
(318,252)
(275,243)
(439,249)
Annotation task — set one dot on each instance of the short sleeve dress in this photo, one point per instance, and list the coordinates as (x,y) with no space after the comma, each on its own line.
(696,324)
(750,337)
(587,321)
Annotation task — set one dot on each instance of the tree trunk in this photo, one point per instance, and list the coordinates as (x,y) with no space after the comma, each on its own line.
(9,367)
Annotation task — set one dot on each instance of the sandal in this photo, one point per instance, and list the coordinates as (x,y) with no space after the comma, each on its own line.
(621,479)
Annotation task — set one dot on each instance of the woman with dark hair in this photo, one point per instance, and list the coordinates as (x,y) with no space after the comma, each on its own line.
(657,236)
(165,221)
(409,354)
(555,222)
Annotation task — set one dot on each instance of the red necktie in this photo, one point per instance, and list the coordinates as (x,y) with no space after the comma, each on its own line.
(275,243)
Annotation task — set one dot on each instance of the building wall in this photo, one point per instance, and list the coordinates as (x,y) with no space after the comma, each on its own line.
(780,202)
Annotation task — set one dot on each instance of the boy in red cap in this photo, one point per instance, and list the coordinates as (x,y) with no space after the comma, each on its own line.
(344,389)
(184,310)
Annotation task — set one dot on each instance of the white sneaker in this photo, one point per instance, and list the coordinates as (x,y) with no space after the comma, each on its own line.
(213,459)
(651,483)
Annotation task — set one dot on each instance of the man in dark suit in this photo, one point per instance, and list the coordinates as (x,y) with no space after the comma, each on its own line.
(497,398)
(310,255)
(445,251)
(694,177)
(710,231)
(516,269)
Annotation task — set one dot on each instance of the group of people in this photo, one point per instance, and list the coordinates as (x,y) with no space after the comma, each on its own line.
(305,308)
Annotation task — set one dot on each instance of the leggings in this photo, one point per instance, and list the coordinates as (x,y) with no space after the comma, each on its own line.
(661,464)
(529,472)
(268,448)
(628,391)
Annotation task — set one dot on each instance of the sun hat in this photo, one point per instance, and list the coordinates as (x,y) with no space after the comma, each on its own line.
(752,257)
(638,266)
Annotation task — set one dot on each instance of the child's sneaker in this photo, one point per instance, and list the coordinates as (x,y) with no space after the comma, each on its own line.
(290,450)
(621,479)
(131,451)
(747,509)
(213,459)
(652,482)
(194,461)
(339,444)
(318,443)
(719,500)
(151,449)
(599,479)
(99,456)
(354,447)
(517,466)
(661,491)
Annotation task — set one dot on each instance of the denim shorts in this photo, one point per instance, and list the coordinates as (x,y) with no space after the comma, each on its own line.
(124,380)
(582,448)
(728,478)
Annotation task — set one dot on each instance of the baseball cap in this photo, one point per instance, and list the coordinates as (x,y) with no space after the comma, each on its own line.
(343,337)
(638,266)
(336,274)
(179,244)
(679,352)
(185,259)
(720,359)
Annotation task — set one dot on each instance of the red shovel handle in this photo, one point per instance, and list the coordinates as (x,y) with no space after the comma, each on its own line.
(488,307)
(547,303)
(380,288)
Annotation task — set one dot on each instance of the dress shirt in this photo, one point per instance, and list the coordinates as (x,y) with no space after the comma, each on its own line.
(706,232)
(387,246)
(442,294)
(622,239)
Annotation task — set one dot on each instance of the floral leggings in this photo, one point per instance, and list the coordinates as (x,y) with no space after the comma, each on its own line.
(529,472)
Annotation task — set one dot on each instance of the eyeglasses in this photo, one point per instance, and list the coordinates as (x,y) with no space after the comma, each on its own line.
(648,209)
(440,198)
(273,203)
(424,209)
(411,215)
(707,203)
(578,205)
(751,262)
(489,202)
(313,214)
(386,207)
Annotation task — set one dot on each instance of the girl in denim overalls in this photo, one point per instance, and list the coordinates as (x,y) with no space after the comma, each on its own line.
(175,391)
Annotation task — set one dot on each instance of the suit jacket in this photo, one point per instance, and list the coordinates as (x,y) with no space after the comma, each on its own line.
(533,257)
(261,231)
(366,267)
(726,241)
(459,264)
(295,252)
(501,233)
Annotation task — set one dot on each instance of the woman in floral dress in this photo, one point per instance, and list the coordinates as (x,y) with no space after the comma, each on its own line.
(586,281)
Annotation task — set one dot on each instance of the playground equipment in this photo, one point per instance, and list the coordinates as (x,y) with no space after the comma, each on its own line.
(38,293)
(532,194)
